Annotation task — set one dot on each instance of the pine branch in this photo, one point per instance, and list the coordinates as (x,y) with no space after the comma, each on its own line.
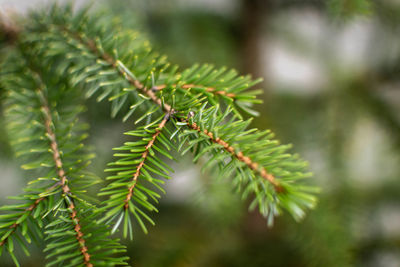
(153,71)
(239,155)
(70,239)
(127,193)
(63,181)
(35,86)
(218,84)
(33,200)
(20,218)
(204,104)
(122,69)
(252,158)
(144,157)
(167,108)
(27,212)
(204,74)
(210,80)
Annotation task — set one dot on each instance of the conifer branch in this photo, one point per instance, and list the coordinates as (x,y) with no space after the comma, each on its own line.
(247,156)
(205,88)
(91,44)
(79,235)
(144,157)
(56,156)
(27,212)
(123,68)
(150,92)
(29,98)
(118,65)
(239,155)
(48,122)
(167,108)
(239,84)
(20,219)
(63,181)
(141,160)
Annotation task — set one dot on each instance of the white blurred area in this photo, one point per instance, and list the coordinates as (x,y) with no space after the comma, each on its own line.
(23,6)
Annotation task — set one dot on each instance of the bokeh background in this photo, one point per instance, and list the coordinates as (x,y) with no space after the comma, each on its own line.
(331,88)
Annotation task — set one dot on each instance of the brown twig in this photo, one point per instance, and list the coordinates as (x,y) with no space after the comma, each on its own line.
(240,156)
(63,178)
(144,156)
(113,62)
(207,89)
(62,182)
(14,226)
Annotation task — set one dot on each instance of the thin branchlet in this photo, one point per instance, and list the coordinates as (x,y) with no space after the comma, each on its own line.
(144,157)
(14,31)
(63,180)
(30,209)
(207,89)
(113,62)
(14,226)
(239,155)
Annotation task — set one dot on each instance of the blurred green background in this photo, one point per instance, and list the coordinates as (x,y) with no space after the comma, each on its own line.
(332,89)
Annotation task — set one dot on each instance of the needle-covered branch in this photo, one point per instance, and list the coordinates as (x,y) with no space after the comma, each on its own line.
(199,109)
(123,65)
(48,139)
(259,165)
(137,175)
(119,64)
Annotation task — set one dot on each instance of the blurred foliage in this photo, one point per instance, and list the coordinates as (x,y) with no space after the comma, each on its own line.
(211,37)
(349,8)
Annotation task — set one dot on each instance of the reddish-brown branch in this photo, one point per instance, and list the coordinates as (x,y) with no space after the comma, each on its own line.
(240,156)
(113,62)
(110,60)
(79,236)
(208,89)
(14,226)
(63,178)
(56,158)
(30,209)
(62,182)
(144,156)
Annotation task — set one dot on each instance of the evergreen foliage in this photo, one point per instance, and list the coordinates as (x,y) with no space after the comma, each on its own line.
(348,8)
(63,57)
